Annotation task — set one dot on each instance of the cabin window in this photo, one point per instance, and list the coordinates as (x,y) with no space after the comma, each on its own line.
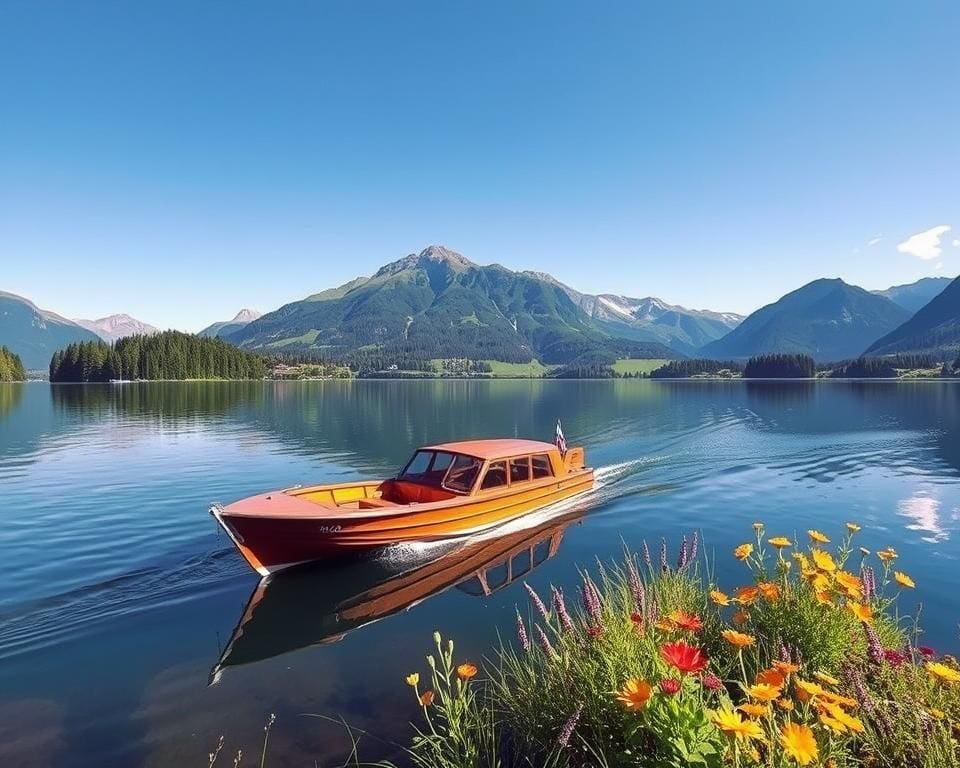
(497,576)
(496,476)
(520,470)
(462,473)
(440,465)
(520,564)
(541,466)
(541,552)
(417,466)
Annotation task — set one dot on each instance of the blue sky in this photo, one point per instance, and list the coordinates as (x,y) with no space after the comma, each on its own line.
(178,161)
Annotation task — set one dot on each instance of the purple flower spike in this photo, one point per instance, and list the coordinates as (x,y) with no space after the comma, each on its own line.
(522,633)
(568,727)
(566,623)
(535,599)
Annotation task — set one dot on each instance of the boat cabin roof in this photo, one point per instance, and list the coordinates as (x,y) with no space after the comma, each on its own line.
(493,449)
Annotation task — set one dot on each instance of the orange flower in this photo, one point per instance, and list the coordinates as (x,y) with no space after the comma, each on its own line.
(740,617)
(738,639)
(770,591)
(426,698)
(466,671)
(720,598)
(763,692)
(780,542)
(863,612)
(852,586)
(753,710)
(818,537)
(903,580)
(823,598)
(747,595)
(798,742)
(785,667)
(853,527)
(743,551)
(834,698)
(887,554)
(785,704)
(635,693)
(772,676)
(823,560)
(686,621)
(846,721)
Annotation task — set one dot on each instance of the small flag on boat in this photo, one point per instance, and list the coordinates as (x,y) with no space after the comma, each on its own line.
(560,440)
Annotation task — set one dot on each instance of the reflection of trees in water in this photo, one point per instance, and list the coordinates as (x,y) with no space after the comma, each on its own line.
(379,422)
(10,397)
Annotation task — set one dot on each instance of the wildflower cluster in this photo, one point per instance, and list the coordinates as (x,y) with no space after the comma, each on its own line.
(804,663)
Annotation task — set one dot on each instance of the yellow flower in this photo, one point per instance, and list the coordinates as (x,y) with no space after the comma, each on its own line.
(798,742)
(753,710)
(770,591)
(785,704)
(719,597)
(413,679)
(852,586)
(936,714)
(807,690)
(823,597)
(903,580)
(823,560)
(942,672)
(763,692)
(738,639)
(466,671)
(823,677)
(780,542)
(635,694)
(834,698)
(743,551)
(735,726)
(846,720)
(887,554)
(853,527)
(818,537)
(740,617)
(863,612)
(832,723)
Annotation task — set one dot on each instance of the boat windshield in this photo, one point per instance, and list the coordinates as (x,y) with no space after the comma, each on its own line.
(427,467)
(463,473)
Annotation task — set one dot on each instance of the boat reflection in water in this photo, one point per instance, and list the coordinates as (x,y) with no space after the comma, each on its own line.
(301,608)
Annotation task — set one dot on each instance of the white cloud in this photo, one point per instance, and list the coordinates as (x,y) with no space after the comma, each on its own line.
(939,265)
(925,245)
(956,242)
(874,240)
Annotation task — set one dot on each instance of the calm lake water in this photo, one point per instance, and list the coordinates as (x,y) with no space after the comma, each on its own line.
(121,601)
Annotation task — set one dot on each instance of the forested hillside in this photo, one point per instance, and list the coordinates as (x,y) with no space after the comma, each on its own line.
(11,367)
(167,355)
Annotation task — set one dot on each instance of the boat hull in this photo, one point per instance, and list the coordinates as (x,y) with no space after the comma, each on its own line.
(275,540)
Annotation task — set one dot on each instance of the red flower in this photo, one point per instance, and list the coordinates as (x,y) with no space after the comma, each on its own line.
(687,658)
(670,686)
(711,682)
(636,618)
(927,651)
(595,630)
(894,657)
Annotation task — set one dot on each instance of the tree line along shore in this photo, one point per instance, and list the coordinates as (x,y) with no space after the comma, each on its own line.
(176,356)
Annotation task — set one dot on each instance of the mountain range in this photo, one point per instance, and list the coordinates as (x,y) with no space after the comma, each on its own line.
(826,319)
(35,334)
(113,327)
(652,319)
(226,327)
(934,328)
(437,303)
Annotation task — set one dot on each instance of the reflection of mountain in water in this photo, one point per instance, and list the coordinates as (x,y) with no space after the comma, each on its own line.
(318,605)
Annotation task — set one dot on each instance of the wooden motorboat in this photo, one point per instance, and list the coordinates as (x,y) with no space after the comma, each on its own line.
(444,491)
(346,597)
